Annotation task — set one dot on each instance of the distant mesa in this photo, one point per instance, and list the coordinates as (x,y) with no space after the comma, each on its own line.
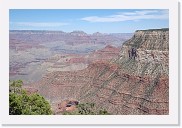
(97,34)
(110,47)
(78,33)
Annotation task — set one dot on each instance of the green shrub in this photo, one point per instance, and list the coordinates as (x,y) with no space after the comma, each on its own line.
(20,103)
(87,109)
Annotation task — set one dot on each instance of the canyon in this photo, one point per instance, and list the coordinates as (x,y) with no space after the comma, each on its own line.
(34,53)
(124,78)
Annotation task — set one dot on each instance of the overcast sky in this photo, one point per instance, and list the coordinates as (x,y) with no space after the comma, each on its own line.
(89,20)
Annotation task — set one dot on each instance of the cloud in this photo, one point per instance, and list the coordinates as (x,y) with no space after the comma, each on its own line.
(38,24)
(130,16)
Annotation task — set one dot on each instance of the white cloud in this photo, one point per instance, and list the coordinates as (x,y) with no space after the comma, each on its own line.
(128,16)
(38,24)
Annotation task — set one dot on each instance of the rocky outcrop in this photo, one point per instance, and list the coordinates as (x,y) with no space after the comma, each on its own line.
(107,53)
(152,39)
(152,47)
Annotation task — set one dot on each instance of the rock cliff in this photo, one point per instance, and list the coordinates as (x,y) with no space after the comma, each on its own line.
(152,47)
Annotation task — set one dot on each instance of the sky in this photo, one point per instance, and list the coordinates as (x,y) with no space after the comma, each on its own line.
(89,20)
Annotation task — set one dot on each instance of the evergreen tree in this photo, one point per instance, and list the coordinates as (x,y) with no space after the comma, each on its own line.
(20,103)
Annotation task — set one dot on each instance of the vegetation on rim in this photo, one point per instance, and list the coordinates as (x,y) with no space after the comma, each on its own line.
(21,103)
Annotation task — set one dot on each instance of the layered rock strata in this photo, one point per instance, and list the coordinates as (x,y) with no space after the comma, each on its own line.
(127,85)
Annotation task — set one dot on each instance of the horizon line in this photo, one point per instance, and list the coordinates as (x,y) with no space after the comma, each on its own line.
(84,31)
(67,32)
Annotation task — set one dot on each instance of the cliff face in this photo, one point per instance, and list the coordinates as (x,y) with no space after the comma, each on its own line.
(127,85)
(153,39)
(152,51)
